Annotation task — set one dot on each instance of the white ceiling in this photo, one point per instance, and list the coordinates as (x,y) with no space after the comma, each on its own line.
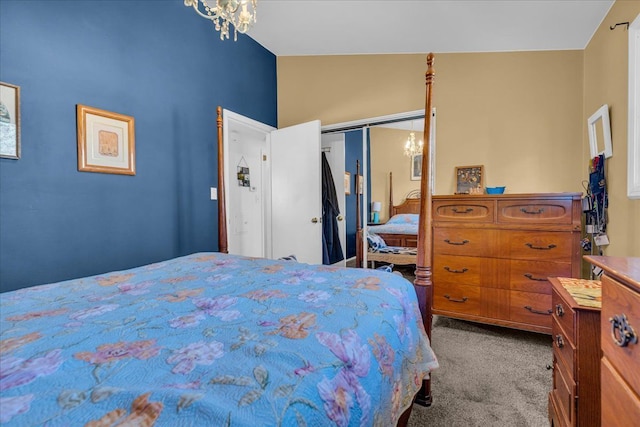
(350,27)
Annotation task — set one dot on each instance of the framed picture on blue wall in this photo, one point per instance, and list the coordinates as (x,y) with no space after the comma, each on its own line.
(106,141)
(9,121)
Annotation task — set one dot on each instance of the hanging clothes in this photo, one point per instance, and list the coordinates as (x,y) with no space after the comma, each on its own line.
(331,247)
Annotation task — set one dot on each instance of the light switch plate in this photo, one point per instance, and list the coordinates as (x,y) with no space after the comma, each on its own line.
(214,193)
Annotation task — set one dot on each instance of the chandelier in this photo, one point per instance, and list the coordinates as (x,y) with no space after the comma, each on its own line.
(411,147)
(240,13)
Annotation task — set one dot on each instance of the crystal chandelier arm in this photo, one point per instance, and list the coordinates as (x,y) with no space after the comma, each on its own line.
(195,4)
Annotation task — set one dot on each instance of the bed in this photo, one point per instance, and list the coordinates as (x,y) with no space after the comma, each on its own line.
(396,240)
(222,340)
(213,339)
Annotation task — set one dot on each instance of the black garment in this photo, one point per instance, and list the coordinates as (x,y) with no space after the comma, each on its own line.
(331,248)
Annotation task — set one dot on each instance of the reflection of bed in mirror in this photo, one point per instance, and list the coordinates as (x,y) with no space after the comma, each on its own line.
(396,240)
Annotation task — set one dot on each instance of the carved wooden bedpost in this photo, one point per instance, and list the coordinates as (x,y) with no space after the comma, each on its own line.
(422,283)
(390,194)
(222,208)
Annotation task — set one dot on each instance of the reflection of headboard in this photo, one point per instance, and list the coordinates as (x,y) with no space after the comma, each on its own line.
(411,203)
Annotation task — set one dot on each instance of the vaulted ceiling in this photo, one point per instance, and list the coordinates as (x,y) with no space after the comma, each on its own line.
(351,27)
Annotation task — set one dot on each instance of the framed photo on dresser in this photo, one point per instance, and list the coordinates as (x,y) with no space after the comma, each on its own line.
(469,179)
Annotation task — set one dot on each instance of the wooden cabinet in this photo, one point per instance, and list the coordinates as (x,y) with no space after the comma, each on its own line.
(620,343)
(492,255)
(575,397)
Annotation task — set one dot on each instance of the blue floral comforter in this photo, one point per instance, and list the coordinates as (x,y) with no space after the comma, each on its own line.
(213,339)
(398,224)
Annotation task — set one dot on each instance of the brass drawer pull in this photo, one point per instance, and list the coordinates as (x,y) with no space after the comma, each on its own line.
(464,242)
(541,248)
(533,310)
(450,270)
(464,299)
(559,341)
(559,310)
(621,331)
(538,212)
(467,210)
(537,279)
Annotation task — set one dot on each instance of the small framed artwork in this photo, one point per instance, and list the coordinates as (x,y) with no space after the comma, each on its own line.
(347,183)
(360,184)
(106,141)
(469,179)
(416,167)
(9,121)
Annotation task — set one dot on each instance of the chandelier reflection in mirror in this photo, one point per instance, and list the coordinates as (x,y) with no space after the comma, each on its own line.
(240,13)
(413,147)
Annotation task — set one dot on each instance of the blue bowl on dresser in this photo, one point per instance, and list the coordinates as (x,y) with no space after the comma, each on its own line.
(495,190)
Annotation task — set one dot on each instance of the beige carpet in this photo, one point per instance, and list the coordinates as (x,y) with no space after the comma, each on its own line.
(488,376)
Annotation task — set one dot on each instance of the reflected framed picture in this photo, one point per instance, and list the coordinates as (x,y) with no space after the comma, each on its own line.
(416,167)
(469,179)
(9,121)
(347,183)
(106,141)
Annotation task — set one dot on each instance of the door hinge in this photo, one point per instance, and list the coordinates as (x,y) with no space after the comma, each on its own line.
(264,157)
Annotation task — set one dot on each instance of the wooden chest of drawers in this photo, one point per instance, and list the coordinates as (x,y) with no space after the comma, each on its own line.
(620,340)
(492,255)
(575,397)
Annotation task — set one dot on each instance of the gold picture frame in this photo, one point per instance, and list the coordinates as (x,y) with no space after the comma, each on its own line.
(9,121)
(347,183)
(106,141)
(470,179)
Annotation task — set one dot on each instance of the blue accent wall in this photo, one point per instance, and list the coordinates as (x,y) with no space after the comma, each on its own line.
(353,152)
(156,61)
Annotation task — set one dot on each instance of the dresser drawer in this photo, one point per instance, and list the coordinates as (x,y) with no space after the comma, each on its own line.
(476,211)
(451,269)
(531,276)
(563,346)
(620,405)
(531,308)
(564,393)
(465,241)
(539,245)
(535,211)
(458,298)
(618,300)
(563,314)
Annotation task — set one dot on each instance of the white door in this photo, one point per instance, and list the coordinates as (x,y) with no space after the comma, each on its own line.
(248,207)
(296,208)
(333,148)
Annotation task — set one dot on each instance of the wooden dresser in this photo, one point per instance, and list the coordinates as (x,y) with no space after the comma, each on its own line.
(492,255)
(575,397)
(620,341)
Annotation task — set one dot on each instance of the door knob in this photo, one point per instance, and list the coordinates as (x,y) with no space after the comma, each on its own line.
(340,218)
(314,220)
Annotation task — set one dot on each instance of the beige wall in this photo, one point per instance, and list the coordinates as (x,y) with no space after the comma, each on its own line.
(606,82)
(520,114)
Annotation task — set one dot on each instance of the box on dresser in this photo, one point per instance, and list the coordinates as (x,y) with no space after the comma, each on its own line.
(492,255)
(620,343)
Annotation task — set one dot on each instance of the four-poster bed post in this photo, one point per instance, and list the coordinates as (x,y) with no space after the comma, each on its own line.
(390,195)
(422,283)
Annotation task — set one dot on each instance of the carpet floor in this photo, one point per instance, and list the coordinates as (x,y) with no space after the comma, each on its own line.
(488,376)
